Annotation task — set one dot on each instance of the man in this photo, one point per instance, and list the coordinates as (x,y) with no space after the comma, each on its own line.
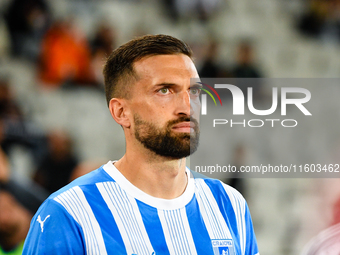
(146,202)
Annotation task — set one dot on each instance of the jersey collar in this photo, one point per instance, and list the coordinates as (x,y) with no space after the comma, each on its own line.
(159,203)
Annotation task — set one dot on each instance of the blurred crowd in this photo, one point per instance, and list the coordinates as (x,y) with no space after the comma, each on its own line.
(59,49)
(65,57)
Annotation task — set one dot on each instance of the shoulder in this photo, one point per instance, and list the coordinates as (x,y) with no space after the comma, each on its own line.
(228,198)
(53,231)
(217,187)
(67,200)
(59,205)
(65,218)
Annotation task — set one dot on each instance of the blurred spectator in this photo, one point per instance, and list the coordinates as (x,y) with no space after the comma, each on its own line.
(238,160)
(55,169)
(104,40)
(27,21)
(18,203)
(25,191)
(336,212)
(85,168)
(210,68)
(102,45)
(8,107)
(4,167)
(202,9)
(66,56)
(245,66)
(4,39)
(14,224)
(327,241)
(15,128)
(321,20)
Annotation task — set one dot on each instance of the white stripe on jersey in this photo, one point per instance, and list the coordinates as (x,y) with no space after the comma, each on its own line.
(239,206)
(212,216)
(129,220)
(177,231)
(74,201)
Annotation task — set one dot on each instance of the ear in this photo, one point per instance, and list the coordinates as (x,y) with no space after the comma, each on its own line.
(120,112)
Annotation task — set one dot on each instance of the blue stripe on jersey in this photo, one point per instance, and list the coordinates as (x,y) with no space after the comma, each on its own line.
(251,243)
(198,229)
(112,238)
(153,228)
(225,207)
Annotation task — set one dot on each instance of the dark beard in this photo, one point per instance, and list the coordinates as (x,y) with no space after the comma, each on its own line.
(166,142)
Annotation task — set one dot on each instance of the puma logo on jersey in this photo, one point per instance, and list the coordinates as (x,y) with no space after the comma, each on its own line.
(42,222)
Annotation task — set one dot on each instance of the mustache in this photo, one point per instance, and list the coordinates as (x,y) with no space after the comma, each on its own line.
(183,119)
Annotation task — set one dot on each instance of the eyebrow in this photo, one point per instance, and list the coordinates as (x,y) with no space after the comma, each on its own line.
(168,84)
(165,84)
(196,86)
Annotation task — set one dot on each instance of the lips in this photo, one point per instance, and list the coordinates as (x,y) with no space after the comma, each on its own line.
(184,127)
(185,124)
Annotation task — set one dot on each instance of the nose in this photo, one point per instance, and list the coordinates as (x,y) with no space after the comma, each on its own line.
(183,106)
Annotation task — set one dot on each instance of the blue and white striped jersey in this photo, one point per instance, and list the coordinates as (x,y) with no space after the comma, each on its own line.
(103,213)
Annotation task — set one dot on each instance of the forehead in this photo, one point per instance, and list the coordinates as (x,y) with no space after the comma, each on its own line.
(165,68)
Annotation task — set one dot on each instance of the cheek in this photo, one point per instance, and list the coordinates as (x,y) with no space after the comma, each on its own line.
(195,107)
(142,108)
(152,115)
(157,111)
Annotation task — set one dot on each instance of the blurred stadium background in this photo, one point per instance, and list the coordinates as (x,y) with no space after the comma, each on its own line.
(52,104)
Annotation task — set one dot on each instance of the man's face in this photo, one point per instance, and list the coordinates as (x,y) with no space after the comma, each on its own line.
(165,105)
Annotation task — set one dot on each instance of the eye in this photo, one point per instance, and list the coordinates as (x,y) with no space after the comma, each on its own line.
(164,91)
(194,91)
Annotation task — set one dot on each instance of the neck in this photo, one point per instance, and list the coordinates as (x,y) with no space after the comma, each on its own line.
(158,176)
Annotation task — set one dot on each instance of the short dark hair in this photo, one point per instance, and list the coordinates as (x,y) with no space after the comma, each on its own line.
(118,69)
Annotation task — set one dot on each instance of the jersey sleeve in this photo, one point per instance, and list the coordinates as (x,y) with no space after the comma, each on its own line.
(53,231)
(251,243)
